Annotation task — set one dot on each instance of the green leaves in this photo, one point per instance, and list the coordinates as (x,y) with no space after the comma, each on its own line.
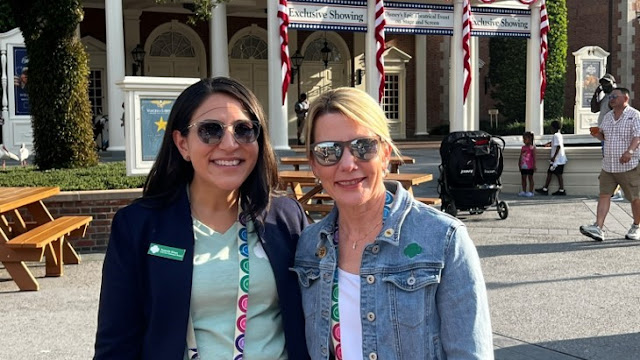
(105,176)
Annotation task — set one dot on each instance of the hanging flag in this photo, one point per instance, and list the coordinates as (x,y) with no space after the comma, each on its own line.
(379,29)
(466,39)
(544,48)
(284,47)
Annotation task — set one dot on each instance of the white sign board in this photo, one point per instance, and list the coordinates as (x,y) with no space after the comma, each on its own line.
(17,128)
(148,102)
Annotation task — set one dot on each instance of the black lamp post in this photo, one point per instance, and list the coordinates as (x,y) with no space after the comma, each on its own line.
(138,54)
(296,61)
(326,53)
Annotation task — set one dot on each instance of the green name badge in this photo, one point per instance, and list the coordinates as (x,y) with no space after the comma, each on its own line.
(167,252)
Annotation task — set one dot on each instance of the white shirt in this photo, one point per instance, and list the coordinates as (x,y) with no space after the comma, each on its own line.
(349,309)
(558,142)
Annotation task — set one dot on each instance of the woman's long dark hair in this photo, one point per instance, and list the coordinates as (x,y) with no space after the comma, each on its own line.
(170,172)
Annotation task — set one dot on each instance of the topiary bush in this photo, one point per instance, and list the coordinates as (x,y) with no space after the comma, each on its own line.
(58,83)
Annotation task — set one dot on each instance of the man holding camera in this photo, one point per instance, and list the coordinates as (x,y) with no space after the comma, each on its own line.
(602,96)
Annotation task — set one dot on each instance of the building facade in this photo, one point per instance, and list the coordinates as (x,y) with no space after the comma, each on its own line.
(418,68)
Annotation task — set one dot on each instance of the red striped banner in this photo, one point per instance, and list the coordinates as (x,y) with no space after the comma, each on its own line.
(544,48)
(466,39)
(284,47)
(379,29)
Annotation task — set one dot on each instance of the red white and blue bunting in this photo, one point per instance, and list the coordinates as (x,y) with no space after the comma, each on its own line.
(379,29)
(283,18)
(466,47)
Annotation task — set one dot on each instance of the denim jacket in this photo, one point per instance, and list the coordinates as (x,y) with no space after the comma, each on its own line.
(422,291)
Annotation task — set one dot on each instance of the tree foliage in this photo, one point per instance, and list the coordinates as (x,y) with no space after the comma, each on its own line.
(507,69)
(201,9)
(58,83)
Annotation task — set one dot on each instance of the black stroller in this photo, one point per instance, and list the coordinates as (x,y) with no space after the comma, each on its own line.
(470,173)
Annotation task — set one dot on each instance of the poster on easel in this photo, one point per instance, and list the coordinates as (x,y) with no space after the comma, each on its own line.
(20,80)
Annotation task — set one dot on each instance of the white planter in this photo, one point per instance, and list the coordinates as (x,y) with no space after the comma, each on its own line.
(580,173)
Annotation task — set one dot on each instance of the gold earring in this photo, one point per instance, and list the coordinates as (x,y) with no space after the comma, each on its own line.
(317,181)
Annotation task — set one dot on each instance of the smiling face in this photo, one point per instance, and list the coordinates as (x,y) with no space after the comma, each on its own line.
(221,167)
(351,182)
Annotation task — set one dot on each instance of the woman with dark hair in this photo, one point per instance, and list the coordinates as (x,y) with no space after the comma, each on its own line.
(198,267)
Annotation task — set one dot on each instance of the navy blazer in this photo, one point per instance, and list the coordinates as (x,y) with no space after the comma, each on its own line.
(145,300)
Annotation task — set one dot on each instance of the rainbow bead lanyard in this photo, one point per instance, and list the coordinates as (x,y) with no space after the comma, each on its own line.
(335,309)
(242,298)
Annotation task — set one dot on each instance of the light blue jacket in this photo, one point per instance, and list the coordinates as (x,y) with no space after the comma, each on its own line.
(422,291)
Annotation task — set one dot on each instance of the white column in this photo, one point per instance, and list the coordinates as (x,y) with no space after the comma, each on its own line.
(372,84)
(456,79)
(421,84)
(535,109)
(277,111)
(473,99)
(5,101)
(219,53)
(115,71)
(132,29)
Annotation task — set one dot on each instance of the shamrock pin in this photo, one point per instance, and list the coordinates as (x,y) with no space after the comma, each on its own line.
(412,250)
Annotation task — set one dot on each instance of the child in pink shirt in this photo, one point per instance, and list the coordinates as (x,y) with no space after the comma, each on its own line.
(527,163)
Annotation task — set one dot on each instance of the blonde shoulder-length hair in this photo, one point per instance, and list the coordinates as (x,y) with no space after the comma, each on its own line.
(354,104)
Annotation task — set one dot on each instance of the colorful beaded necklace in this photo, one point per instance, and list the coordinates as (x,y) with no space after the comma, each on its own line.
(242,297)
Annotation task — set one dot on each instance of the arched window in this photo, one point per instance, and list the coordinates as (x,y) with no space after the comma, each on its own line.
(313,52)
(249,47)
(172,43)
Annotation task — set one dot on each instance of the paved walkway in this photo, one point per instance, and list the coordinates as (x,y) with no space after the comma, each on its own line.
(554,294)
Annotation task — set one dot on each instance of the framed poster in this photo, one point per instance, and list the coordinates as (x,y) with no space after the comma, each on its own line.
(154,114)
(590,75)
(147,103)
(20,78)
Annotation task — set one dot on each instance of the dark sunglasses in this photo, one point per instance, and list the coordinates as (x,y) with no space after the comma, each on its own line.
(328,153)
(212,131)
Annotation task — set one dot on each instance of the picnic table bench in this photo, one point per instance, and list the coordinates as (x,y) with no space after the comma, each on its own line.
(46,237)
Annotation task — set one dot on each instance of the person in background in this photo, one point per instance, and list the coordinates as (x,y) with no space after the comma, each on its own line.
(301,107)
(602,95)
(600,104)
(382,276)
(557,161)
(198,268)
(620,131)
(527,164)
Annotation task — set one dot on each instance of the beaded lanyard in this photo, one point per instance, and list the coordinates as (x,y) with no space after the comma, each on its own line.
(242,298)
(335,309)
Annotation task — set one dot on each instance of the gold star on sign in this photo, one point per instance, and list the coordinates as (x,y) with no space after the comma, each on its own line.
(161,124)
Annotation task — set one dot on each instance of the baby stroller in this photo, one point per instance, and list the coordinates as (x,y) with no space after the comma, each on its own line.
(470,173)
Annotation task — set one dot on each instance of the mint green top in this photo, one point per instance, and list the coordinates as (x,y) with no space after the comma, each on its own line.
(214,293)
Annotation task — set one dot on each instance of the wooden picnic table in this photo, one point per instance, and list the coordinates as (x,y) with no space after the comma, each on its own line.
(395,162)
(298,181)
(45,236)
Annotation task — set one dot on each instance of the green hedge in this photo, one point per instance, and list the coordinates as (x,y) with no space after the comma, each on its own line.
(510,128)
(105,176)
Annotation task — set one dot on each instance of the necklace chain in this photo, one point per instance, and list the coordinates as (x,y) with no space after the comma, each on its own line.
(355,242)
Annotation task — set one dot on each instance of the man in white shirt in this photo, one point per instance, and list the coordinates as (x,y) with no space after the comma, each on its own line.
(620,130)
